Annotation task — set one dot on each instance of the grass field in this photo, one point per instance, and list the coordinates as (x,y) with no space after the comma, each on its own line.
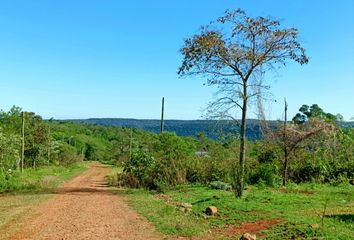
(296,212)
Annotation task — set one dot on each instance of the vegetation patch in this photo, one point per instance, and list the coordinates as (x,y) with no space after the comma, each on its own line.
(268,213)
(38,180)
(166,218)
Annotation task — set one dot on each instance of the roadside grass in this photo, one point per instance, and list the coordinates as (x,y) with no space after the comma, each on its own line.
(29,188)
(166,218)
(40,179)
(307,211)
(112,176)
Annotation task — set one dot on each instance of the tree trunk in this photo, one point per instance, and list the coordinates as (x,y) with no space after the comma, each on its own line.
(241,170)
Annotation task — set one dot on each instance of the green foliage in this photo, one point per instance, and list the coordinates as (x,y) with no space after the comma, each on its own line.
(214,161)
(40,179)
(173,153)
(67,155)
(140,166)
(163,161)
(310,171)
(9,151)
(265,174)
(314,111)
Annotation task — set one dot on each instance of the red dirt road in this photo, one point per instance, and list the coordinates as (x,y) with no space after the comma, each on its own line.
(85,208)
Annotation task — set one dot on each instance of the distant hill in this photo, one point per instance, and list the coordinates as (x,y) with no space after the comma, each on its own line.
(212,128)
(347,124)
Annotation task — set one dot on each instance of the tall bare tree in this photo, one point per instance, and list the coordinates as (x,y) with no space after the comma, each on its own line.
(228,53)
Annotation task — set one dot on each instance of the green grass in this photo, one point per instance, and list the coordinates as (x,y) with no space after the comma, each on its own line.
(166,218)
(39,179)
(297,207)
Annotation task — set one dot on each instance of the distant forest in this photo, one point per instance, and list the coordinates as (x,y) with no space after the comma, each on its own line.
(213,129)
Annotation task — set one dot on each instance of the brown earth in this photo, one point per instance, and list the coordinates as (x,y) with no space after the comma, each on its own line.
(235,231)
(250,227)
(85,208)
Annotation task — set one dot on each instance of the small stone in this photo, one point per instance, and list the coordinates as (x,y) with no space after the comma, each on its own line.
(185,210)
(248,236)
(211,210)
(314,226)
(184,205)
(178,227)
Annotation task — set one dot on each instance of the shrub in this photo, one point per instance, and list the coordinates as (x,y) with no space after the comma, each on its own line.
(137,170)
(68,156)
(309,172)
(172,154)
(127,180)
(265,174)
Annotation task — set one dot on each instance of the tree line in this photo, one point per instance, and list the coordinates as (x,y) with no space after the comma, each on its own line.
(159,161)
(312,148)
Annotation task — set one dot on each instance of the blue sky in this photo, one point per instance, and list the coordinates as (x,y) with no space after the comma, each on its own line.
(112,58)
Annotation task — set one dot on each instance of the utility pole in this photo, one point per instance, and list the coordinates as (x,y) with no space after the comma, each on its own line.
(162,115)
(131,143)
(23,141)
(285,170)
(49,144)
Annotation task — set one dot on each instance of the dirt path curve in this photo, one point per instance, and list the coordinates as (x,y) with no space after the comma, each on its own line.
(85,208)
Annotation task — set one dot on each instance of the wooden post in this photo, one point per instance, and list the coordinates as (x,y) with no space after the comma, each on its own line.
(285,170)
(23,141)
(49,144)
(285,117)
(131,143)
(162,115)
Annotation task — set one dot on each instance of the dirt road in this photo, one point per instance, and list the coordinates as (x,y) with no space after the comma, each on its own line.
(85,208)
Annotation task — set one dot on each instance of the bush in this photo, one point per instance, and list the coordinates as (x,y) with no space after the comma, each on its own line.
(127,180)
(265,174)
(309,172)
(137,170)
(68,156)
(173,154)
(207,169)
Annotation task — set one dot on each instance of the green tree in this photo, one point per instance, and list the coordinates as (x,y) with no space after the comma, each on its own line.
(230,53)
(314,111)
(9,150)
(36,138)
